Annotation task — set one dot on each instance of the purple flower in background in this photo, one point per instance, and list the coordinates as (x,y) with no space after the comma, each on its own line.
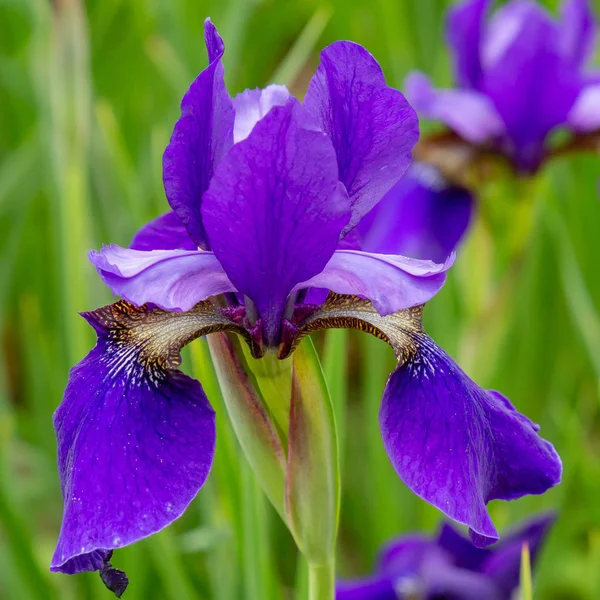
(266,195)
(519,75)
(448,566)
(422,216)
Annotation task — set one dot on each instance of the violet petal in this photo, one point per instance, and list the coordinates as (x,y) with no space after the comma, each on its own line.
(469,113)
(274,209)
(577,31)
(458,446)
(134,447)
(166,232)
(372,126)
(422,216)
(170,279)
(464,26)
(391,282)
(252,105)
(200,137)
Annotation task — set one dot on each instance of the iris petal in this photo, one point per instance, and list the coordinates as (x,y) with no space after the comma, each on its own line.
(503,565)
(585,114)
(469,113)
(372,126)
(422,216)
(404,555)
(136,437)
(200,137)
(166,232)
(391,282)
(171,279)
(457,445)
(252,105)
(464,31)
(531,83)
(274,210)
(452,443)
(448,582)
(372,588)
(577,31)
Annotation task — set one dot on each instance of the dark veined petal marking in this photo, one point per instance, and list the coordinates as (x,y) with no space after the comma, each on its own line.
(453,443)
(135,435)
(343,311)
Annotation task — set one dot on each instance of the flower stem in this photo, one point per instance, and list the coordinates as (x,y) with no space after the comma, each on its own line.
(321,581)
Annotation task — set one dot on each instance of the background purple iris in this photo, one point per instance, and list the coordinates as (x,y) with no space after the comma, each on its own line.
(519,74)
(449,567)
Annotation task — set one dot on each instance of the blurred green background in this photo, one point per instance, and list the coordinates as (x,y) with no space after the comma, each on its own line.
(89,92)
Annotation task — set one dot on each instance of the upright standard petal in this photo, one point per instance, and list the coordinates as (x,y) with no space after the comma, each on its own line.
(201,136)
(577,31)
(469,113)
(457,445)
(423,216)
(532,85)
(136,437)
(372,126)
(464,32)
(170,279)
(166,232)
(391,282)
(274,210)
(252,105)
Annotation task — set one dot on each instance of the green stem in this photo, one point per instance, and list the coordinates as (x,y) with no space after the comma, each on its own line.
(321,581)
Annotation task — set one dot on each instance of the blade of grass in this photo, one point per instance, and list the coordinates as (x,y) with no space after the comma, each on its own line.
(173,575)
(292,64)
(335,368)
(31,580)
(526,585)
(580,303)
(69,140)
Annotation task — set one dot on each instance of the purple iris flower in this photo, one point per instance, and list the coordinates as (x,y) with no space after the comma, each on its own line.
(519,76)
(422,216)
(266,194)
(448,567)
